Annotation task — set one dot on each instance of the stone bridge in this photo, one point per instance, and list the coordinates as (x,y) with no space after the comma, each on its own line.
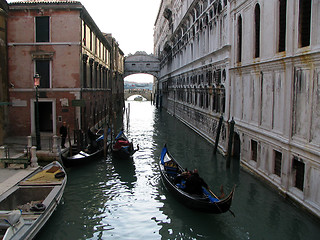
(143,92)
(141,62)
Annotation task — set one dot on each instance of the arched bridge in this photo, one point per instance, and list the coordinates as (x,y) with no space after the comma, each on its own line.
(143,92)
(141,62)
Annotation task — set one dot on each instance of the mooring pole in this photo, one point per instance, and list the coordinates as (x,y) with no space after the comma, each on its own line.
(218,134)
(230,142)
(105,140)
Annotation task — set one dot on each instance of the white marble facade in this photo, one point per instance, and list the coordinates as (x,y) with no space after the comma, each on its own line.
(258,62)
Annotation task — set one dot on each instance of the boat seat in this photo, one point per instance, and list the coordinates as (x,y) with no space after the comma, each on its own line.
(171,171)
(84,154)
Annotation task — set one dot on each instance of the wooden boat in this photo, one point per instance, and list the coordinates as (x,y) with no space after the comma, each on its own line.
(138,98)
(206,202)
(81,158)
(27,206)
(122,148)
(91,153)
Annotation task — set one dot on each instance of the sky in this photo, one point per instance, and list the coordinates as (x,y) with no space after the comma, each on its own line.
(131,23)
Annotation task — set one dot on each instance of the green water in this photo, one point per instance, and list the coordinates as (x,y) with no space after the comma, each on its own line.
(114,199)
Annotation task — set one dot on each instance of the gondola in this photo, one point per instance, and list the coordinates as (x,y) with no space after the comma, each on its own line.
(122,148)
(206,202)
(81,158)
(27,206)
(91,153)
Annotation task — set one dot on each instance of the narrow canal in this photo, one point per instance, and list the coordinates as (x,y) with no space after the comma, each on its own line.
(113,199)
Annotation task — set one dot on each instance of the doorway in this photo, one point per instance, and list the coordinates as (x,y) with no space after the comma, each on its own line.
(45,116)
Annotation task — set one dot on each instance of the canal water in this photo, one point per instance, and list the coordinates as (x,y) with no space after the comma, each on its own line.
(125,199)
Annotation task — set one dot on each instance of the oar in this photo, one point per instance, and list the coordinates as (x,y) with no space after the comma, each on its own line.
(219,199)
(206,193)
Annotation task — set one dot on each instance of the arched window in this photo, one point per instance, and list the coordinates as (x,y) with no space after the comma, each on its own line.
(257,30)
(282,25)
(304,22)
(239,43)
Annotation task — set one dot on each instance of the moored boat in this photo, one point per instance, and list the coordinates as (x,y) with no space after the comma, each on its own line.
(207,201)
(138,98)
(92,152)
(122,147)
(81,158)
(27,206)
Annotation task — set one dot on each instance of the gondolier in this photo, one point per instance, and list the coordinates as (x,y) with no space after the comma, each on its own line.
(202,200)
(194,183)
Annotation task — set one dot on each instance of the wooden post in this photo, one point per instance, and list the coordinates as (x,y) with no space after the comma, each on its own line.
(218,134)
(70,147)
(230,142)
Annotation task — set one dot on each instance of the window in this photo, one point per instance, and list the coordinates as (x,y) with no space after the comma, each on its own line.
(282,25)
(254,150)
(91,39)
(257,31)
(277,163)
(84,34)
(84,69)
(42,29)
(43,69)
(239,45)
(298,167)
(304,22)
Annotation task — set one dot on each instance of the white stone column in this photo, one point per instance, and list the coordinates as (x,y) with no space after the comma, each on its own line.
(2,155)
(2,152)
(34,159)
(29,141)
(55,144)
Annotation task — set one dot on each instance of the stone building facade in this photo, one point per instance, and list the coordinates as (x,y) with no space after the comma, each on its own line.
(80,68)
(254,61)
(4,95)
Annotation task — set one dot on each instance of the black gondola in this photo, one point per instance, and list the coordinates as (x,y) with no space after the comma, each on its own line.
(91,153)
(122,148)
(81,158)
(206,202)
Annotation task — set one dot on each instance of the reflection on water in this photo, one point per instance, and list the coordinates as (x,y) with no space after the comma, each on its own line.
(114,199)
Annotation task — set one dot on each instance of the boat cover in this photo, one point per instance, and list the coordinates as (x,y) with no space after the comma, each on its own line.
(9,218)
